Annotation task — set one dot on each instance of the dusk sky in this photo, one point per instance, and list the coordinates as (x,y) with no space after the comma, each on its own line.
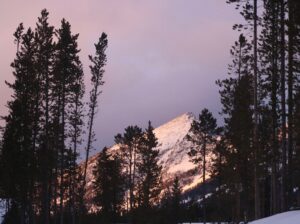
(163,56)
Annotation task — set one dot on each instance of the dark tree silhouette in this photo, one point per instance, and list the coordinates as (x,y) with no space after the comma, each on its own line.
(203,135)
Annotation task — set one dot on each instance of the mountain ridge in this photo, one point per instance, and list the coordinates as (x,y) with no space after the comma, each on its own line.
(173,147)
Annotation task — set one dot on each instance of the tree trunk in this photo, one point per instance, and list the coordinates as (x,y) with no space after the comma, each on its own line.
(46,200)
(290,95)
(61,206)
(90,136)
(203,181)
(283,106)
(255,134)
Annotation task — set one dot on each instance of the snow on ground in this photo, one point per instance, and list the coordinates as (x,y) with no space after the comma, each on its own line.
(205,223)
(2,210)
(292,217)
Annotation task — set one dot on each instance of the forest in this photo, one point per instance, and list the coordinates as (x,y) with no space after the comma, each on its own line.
(255,165)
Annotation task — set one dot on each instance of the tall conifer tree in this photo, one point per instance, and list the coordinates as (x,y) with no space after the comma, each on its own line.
(18,156)
(67,69)
(203,135)
(45,51)
(130,143)
(97,69)
(108,186)
(149,171)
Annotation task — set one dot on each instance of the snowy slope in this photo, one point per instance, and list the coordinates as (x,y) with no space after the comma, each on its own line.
(173,147)
(292,217)
(172,144)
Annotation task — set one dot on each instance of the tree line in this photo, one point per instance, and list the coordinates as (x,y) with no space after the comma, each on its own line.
(256,162)
(254,159)
(41,180)
(45,126)
(128,180)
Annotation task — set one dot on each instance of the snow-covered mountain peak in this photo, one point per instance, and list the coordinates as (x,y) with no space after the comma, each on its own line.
(174,146)
(181,121)
(173,149)
(173,131)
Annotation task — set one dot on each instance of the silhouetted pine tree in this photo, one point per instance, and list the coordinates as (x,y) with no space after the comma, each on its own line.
(239,129)
(203,135)
(108,186)
(149,172)
(296,158)
(42,136)
(283,192)
(270,54)
(18,156)
(130,143)
(249,10)
(176,192)
(67,74)
(148,176)
(293,62)
(237,148)
(44,128)
(97,70)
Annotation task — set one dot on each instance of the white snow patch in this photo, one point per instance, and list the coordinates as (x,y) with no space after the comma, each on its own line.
(292,217)
(203,223)
(2,209)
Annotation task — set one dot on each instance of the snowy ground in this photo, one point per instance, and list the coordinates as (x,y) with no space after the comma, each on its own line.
(2,210)
(2,213)
(292,217)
